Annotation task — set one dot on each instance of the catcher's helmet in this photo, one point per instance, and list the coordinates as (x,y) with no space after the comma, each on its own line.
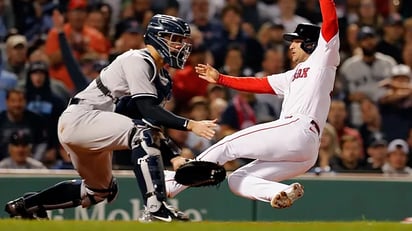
(309,33)
(170,36)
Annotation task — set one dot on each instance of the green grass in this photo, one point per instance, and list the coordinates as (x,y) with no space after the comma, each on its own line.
(20,225)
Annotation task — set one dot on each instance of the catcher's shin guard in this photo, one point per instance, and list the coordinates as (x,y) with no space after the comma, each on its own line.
(148,169)
(65,194)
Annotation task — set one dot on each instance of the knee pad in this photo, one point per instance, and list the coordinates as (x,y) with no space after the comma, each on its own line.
(145,136)
(92,196)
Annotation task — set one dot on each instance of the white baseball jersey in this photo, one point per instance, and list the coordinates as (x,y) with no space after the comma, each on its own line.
(304,88)
(289,146)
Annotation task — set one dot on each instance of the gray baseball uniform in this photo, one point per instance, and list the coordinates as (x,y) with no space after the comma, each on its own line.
(90,130)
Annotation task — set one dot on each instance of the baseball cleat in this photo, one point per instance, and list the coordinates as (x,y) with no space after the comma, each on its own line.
(17,209)
(287,197)
(166,213)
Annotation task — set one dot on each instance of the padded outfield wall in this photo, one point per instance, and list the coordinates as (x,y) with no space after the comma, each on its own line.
(327,197)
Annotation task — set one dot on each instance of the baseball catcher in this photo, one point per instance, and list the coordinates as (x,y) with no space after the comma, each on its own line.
(90,130)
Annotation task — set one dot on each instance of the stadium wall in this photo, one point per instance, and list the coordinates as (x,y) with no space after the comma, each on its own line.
(328,197)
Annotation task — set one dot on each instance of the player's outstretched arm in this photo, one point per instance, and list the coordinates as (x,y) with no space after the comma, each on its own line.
(330,25)
(249,84)
(156,114)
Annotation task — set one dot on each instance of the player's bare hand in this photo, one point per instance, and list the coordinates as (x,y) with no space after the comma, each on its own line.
(207,73)
(203,128)
(178,161)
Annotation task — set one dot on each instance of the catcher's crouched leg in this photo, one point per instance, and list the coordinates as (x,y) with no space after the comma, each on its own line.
(148,169)
(66,194)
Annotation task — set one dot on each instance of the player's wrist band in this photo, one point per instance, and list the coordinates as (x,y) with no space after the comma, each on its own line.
(186,124)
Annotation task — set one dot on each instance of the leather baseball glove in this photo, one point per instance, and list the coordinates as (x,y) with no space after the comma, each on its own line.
(200,173)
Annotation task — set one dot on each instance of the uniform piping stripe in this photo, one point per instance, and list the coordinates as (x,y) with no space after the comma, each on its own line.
(259,130)
(144,94)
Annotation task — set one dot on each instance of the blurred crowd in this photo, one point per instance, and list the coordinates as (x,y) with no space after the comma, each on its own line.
(369,125)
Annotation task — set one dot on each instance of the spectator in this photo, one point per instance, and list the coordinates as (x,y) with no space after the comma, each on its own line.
(372,122)
(288,17)
(309,9)
(397,158)
(212,8)
(211,28)
(350,45)
(349,159)
(141,10)
(377,151)
(215,91)
(186,84)
(64,162)
(407,25)
(19,150)
(407,54)
(234,63)
(41,100)
(171,8)
(180,138)
(6,19)
(8,81)
(252,13)
(273,63)
(17,117)
(368,15)
(217,107)
(107,12)
(362,73)
(328,150)
(409,141)
(58,88)
(32,18)
(396,103)
(243,111)
(233,33)
(96,19)
(129,35)
(337,117)
(91,65)
(392,39)
(198,110)
(82,39)
(270,35)
(16,53)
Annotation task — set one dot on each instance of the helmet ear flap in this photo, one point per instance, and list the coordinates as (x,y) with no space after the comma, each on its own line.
(308,47)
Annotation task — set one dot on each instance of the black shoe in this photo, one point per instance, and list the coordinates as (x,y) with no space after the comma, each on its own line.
(16,209)
(166,213)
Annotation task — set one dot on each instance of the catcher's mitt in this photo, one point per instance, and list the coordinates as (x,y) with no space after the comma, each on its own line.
(200,173)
